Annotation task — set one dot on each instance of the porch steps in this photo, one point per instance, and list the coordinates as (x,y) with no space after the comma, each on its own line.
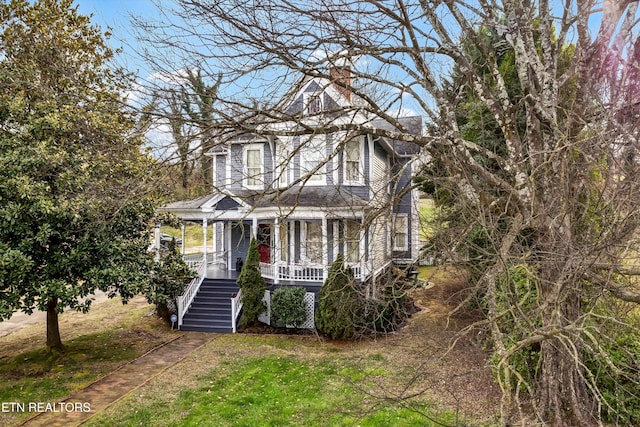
(210,310)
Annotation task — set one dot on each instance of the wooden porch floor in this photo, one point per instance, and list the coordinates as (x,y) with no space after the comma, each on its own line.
(216,271)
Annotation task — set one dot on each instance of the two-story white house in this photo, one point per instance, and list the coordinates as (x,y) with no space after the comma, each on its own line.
(308,195)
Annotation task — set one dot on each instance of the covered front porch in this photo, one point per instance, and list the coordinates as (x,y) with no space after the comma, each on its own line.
(295,244)
(290,250)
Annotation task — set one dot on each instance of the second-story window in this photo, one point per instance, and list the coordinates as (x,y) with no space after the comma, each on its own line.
(253,166)
(353,173)
(282,162)
(312,159)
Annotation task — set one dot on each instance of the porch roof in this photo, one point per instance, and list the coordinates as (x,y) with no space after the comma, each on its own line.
(189,204)
(321,197)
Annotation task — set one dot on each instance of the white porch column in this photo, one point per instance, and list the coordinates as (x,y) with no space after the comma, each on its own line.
(182,230)
(325,247)
(362,249)
(291,238)
(228,226)
(204,234)
(277,253)
(156,235)
(215,238)
(254,228)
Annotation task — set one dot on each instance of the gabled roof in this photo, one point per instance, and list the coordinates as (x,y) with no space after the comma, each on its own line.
(215,201)
(412,124)
(313,84)
(188,204)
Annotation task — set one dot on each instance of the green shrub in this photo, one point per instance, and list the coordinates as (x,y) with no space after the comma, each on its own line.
(518,287)
(341,306)
(170,278)
(253,287)
(391,307)
(287,306)
(346,313)
(619,386)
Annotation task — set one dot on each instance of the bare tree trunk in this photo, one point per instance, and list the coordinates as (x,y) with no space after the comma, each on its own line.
(53,332)
(206,166)
(184,174)
(562,392)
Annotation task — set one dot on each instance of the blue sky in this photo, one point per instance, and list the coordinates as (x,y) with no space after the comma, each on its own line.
(116,14)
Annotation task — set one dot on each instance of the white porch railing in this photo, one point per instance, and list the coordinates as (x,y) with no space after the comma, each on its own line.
(236,306)
(184,301)
(217,257)
(193,260)
(359,271)
(305,272)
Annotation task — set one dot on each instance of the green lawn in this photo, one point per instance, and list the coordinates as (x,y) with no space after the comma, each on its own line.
(274,391)
(38,375)
(194,237)
(427,212)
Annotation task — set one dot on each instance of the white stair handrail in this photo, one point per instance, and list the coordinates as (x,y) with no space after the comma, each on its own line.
(236,306)
(185,300)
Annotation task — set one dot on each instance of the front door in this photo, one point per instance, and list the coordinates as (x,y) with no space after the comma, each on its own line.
(264,243)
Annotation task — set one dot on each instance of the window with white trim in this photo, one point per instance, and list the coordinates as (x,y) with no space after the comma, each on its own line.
(282,164)
(401,233)
(312,156)
(313,103)
(352,241)
(353,166)
(313,241)
(253,166)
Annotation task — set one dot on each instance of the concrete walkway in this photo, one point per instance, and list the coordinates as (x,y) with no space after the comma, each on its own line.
(114,386)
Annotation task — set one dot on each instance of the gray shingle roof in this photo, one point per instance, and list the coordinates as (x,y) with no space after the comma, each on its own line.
(412,124)
(322,197)
(189,204)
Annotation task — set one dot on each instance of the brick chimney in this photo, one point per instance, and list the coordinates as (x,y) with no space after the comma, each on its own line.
(341,75)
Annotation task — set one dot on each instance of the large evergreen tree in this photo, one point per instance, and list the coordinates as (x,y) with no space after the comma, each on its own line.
(253,286)
(74,206)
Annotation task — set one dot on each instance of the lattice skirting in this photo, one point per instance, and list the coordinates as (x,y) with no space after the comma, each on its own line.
(309,302)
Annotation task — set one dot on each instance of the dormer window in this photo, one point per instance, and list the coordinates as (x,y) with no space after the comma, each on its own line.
(313,102)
